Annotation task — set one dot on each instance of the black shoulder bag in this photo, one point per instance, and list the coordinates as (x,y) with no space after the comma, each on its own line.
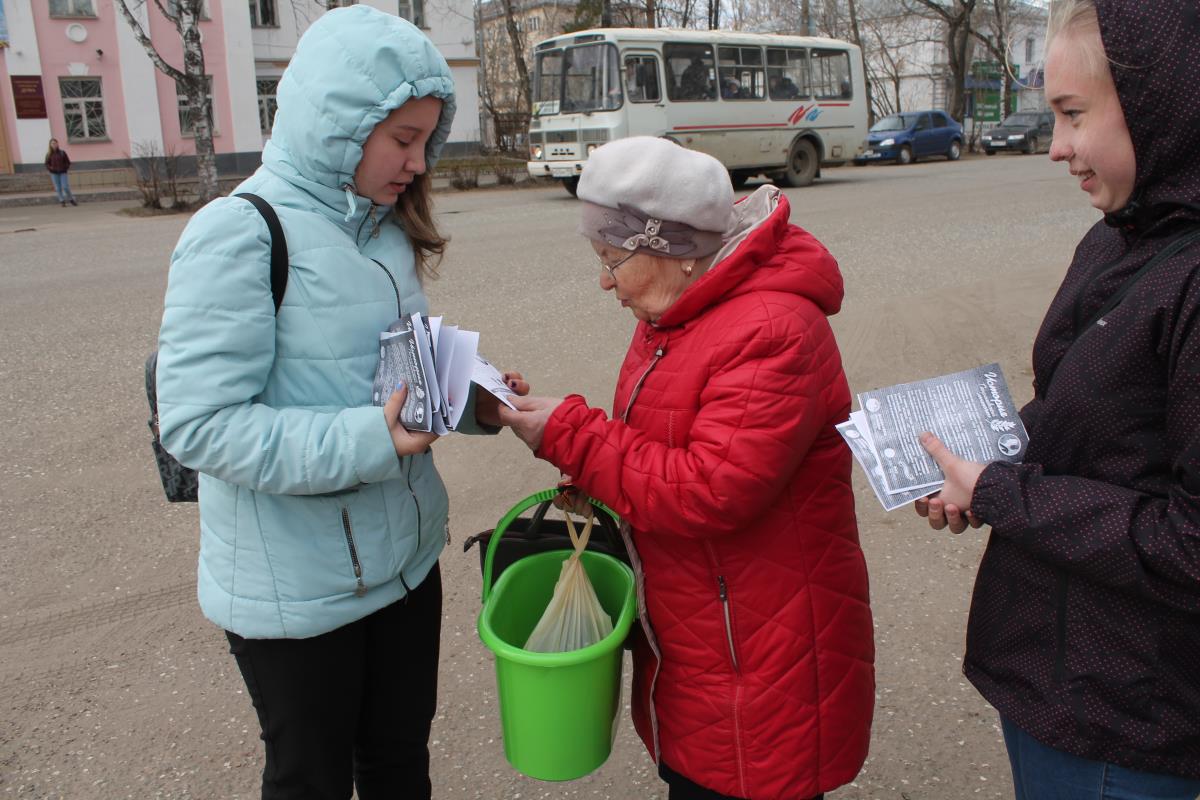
(180,483)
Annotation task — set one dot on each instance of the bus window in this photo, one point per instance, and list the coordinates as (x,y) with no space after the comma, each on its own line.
(741,73)
(787,73)
(690,72)
(641,79)
(831,75)
(547,82)
(592,79)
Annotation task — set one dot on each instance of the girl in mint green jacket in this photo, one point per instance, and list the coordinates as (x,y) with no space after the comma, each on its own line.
(321,518)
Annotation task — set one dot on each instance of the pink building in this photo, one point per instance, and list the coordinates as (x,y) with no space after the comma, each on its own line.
(72,70)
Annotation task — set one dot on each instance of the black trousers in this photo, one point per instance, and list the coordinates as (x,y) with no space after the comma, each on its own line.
(352,708)
(680,788)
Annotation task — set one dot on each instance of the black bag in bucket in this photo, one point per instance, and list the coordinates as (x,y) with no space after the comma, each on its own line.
(527,536)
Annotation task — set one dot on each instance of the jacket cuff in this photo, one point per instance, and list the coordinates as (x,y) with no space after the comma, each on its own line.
(375,458)
(996,497)
(559,428)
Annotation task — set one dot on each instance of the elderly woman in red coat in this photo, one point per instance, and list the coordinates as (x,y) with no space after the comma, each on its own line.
(754,678)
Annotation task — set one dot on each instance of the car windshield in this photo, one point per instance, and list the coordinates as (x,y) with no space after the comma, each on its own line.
(895,122)
(579,78)
(1021,121)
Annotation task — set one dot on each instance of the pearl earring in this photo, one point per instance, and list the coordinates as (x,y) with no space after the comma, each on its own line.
(687,267)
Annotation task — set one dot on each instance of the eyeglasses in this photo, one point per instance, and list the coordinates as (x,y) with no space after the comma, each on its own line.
(611,269)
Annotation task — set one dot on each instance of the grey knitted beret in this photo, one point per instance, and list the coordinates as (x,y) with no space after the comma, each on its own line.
(646,193)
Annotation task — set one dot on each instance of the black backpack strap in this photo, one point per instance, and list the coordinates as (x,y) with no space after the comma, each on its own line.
(279,251)
(1171,249)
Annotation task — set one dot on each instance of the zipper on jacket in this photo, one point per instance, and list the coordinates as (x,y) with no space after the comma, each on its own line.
(361,588)
(637,387)
(723,591)
(1060,628)
(395,288)
(374,222)
(416,502)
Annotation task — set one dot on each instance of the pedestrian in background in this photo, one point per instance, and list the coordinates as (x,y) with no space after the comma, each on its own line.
(753,672)
(58,162)
(1085,623)
(321,517)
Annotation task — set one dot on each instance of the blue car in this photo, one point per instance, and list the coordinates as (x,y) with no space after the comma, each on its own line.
(905,137)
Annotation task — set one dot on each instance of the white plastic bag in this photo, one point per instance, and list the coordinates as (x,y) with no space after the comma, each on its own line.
(574,619)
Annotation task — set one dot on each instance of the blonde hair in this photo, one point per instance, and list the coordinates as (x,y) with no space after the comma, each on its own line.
(1073,17)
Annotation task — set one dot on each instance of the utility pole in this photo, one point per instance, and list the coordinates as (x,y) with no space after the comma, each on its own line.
(605,13)
(805,18)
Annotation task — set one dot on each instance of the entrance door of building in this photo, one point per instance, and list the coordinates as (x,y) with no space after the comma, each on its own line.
(6,162)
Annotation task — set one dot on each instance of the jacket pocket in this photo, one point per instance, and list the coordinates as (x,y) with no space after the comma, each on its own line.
(727,615)
(360,588)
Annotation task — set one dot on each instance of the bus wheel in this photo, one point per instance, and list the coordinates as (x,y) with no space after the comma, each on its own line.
(802,164)
(571,185)
(738,178)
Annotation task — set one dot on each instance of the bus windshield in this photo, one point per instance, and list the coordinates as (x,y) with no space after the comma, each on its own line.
(580,78)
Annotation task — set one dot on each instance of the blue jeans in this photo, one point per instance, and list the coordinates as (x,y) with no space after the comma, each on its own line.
(62,187)
(1043,773)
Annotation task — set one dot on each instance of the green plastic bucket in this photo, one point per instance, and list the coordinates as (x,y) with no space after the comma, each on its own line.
(558,711)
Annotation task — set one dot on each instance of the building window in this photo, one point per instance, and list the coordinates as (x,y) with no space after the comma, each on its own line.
(263,14)
(83,109)
(173,9)
(187,114)
(742,73)
(266,103)
(413,11)
(72,8)
(1029,50)
(831,75)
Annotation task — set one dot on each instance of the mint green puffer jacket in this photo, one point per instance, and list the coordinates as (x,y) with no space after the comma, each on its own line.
(308,518)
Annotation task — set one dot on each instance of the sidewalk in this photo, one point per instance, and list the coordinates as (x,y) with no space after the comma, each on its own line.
(441,183)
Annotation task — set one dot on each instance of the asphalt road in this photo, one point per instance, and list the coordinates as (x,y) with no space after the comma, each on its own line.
(112,685)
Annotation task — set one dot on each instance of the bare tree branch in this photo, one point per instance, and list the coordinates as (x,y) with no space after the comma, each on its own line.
(147,45)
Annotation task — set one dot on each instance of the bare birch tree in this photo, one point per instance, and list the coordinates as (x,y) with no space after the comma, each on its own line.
(184,16)
(957,17)
(1001,21)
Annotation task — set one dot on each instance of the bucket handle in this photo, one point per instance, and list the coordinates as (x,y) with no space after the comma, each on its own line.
(545,496)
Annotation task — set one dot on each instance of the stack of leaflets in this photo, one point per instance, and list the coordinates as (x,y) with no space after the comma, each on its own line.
(438,363)
(970,411)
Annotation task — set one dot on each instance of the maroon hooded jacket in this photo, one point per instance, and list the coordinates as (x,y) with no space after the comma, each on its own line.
(1085,622)
(755,675)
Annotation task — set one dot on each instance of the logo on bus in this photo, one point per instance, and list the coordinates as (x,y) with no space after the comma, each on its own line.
(809,112)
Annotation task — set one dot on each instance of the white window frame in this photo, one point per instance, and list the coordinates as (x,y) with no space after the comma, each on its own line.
(74,8)
(414,12)
(181,100)
(267,104)
(78,105)
(256,20)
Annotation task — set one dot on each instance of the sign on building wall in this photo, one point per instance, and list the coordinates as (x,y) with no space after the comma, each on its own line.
(28,97)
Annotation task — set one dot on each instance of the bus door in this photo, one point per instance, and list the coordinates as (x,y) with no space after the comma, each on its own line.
(645,103)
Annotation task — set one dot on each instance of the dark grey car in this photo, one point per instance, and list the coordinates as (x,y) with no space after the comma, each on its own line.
(1024,131)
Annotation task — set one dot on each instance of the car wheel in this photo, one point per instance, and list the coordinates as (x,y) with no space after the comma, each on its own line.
(802,164)
(738,178)
(990,152)
(906,155)
(955,150)
(1031,145)
(571,185)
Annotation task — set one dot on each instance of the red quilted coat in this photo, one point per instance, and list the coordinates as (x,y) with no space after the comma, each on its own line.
(755,677)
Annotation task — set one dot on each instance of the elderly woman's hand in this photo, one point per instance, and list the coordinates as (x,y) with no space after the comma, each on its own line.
(952,505)
(487,406)
(529,420)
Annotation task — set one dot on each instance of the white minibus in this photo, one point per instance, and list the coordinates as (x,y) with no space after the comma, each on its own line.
(760,103)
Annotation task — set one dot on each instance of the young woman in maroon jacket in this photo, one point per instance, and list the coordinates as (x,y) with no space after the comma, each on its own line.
(754,677)
(1085,623)
(58,162)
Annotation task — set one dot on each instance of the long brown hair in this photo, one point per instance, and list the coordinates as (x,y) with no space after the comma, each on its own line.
(415,211)
(51,146)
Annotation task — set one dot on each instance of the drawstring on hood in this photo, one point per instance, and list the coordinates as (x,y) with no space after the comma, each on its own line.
(351,202)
